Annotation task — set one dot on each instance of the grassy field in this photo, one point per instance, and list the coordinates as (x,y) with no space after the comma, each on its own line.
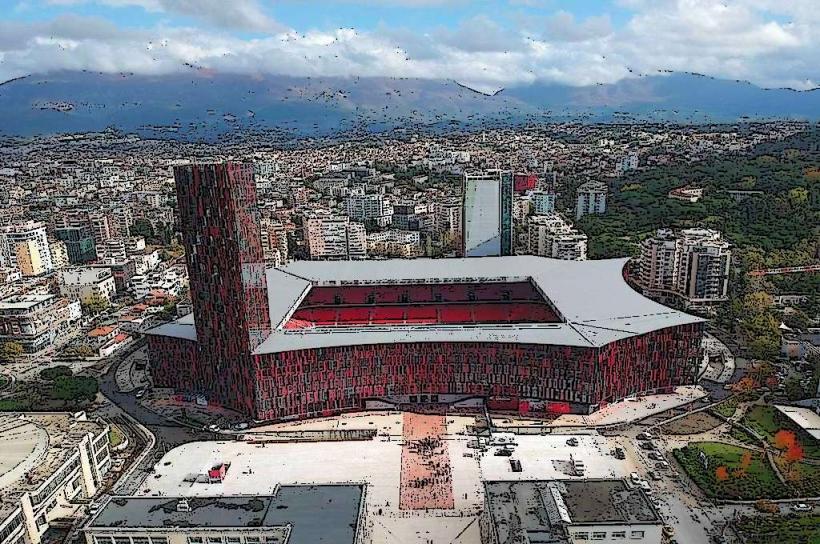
(780,530)
(757,480)
(805,478)
(728,407)
(767,420)
(742,436)
(115,436)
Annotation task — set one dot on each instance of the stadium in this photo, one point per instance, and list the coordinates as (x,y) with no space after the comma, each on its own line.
(313,338)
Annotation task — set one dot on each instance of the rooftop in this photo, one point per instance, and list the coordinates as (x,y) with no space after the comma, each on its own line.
(538,511)
(314,513)
(23,302)
(594,302)
(35,446)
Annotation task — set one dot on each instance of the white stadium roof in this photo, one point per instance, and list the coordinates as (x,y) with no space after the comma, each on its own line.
(597,305)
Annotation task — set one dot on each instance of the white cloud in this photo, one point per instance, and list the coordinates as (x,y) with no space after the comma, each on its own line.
(760,40)
(234,14)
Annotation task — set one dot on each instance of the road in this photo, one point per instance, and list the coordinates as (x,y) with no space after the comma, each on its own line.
(168,435)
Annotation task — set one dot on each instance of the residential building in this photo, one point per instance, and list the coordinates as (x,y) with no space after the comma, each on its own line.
(29,261)
(660,257)
(487,214)
(34,321)
(705,259)
(394,243)
(331,237)
(50,484)
(59,254)
(693,264)
(274,242)
(543,202)
(86,283)
(405,216)
(373,210)
(591,198)
(32,235)
(551,236)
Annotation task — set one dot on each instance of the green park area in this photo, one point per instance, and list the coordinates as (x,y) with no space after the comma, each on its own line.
(767,421)
(56,389)
(780,529)
(725,471)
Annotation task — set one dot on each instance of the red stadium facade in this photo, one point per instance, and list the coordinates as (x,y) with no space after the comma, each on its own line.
(319,338)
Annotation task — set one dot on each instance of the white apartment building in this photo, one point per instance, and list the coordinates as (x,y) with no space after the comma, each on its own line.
(85,283)
(591,198)
(335,238)
(371,209)
(32,236)
(551,236)
(394,243)
(694,264)
(49,483)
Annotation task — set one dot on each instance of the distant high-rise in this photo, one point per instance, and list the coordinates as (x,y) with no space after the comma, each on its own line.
(220,229)
(487,214)
(591,199)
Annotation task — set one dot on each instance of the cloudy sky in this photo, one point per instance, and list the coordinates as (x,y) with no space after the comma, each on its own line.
(485,43)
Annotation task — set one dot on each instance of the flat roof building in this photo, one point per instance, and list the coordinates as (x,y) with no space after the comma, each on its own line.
(568,511)
(294,514)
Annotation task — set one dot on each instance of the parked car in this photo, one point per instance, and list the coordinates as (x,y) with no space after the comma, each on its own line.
(141,393)
(634,478)
(645,436)
(620,453)
(801,507)
(572,442)
(503,452)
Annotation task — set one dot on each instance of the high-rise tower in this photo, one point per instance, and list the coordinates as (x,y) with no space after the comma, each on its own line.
(487,199)
(223,247)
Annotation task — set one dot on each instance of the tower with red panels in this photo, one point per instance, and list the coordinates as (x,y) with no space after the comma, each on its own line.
(219,220)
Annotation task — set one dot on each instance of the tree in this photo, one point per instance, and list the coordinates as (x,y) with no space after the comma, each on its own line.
(722,473)
(51,374)
(10,352)
(141,227)
(75,388)
(95,304)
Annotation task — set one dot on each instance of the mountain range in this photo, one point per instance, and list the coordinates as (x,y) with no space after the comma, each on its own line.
(204,105)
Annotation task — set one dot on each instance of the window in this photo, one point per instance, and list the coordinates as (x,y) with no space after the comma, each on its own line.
(598,535)
(122,540)
(637,534)
(194,540)
(252,539)
(581,536)
(159,540)
(214,540)
(619,534)
(233,539)
(140,540)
